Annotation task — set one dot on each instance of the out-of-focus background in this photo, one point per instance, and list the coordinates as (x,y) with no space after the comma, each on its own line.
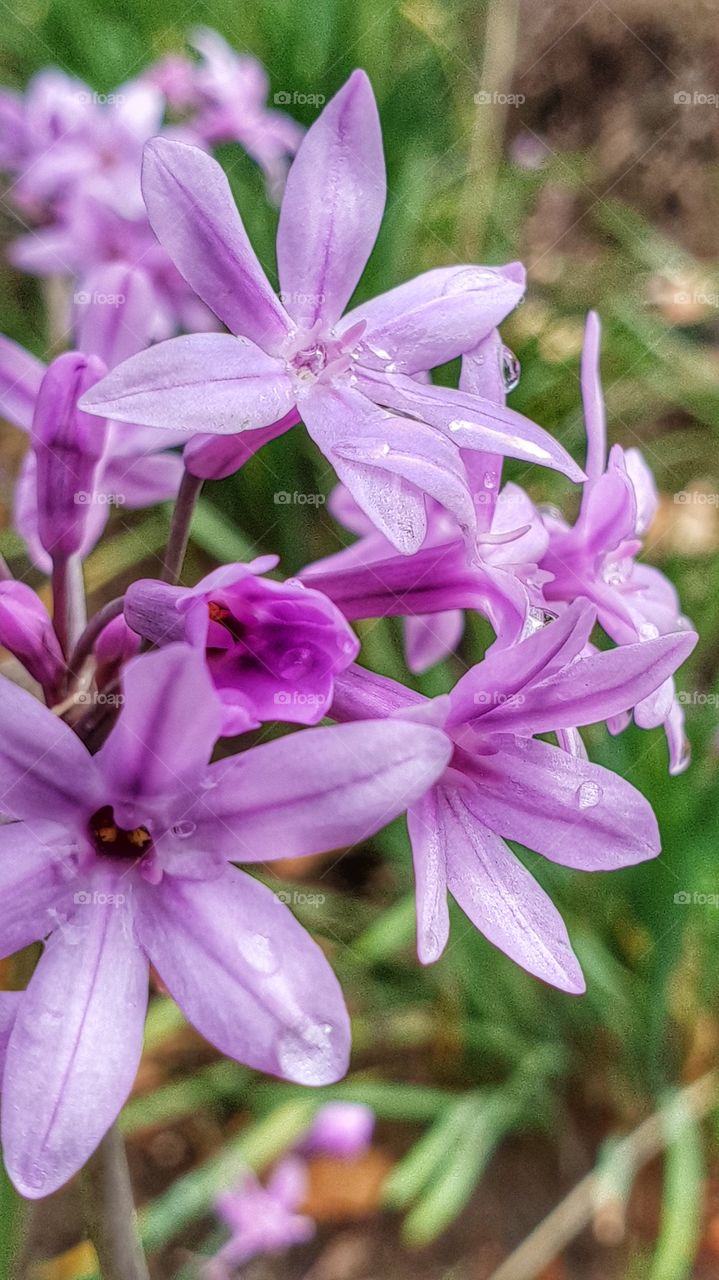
(583,138)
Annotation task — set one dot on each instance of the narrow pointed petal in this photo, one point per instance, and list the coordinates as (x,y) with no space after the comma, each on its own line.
(470,421)
(333,205)
(20,377)
(592,689)
(75,1047)
(500,896)
(194,216)
(36,867)
(9,1005)
(143,481)
(571,811)
(45,770)
(505,673)
(424,824)
(199,382)
(437,316)
(593,400)
(275,1003)
(430,638)
(115,312)
(331,788)
(168,726)
(333,415)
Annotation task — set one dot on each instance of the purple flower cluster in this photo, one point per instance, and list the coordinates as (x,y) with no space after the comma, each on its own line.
(123,820)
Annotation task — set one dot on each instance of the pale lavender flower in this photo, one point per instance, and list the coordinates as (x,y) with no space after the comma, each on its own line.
(504,784)
(340,1129)
(597,557)
(123,859)
(391,438)
(262,1219)
(95,468)
(272,648)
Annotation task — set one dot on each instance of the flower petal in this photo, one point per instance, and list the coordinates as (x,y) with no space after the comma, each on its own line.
(333,205)
(330,788)
(75,1047)
(114,313)
(437,316)
(36,868)
(168,726)
(20,378)
(247,975)
(193,215)
(45,770)
(430,638)
(591,689)
(424,825)
(9,1005)
(470,421)
(199,382)
(571,811)
(334,415)
(500,896)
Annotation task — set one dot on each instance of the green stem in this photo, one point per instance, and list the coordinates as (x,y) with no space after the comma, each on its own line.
(110,1211)
(190,490)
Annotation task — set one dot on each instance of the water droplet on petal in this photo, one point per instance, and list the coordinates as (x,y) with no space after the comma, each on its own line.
(490,480)
(511,369)
(296,663)
(305,1053)
(648,631)
(184,829)
(257,950)
(588,795)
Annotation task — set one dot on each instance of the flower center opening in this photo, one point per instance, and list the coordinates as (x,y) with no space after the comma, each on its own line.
(221,614)
(111,841)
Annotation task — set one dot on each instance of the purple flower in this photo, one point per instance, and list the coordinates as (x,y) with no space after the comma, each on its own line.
(391,438)
(122,859)
(27,631)
(77,470)
(431,589)
(597,556)
(272,648)
(230,94)
(503,784)
(341,1129)
(262,1219)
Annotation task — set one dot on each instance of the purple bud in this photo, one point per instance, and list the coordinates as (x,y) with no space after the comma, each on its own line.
(27,631)
(115,645)
(68,446)
(342,1129)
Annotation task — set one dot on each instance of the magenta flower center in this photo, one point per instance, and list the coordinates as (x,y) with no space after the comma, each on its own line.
(112,841)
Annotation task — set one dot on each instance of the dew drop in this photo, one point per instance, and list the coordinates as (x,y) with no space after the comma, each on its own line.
(588,795)
(184,829)
(296,663)
(648,631)
(511,369)
(257,950)
(490,480)
(305,1053)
